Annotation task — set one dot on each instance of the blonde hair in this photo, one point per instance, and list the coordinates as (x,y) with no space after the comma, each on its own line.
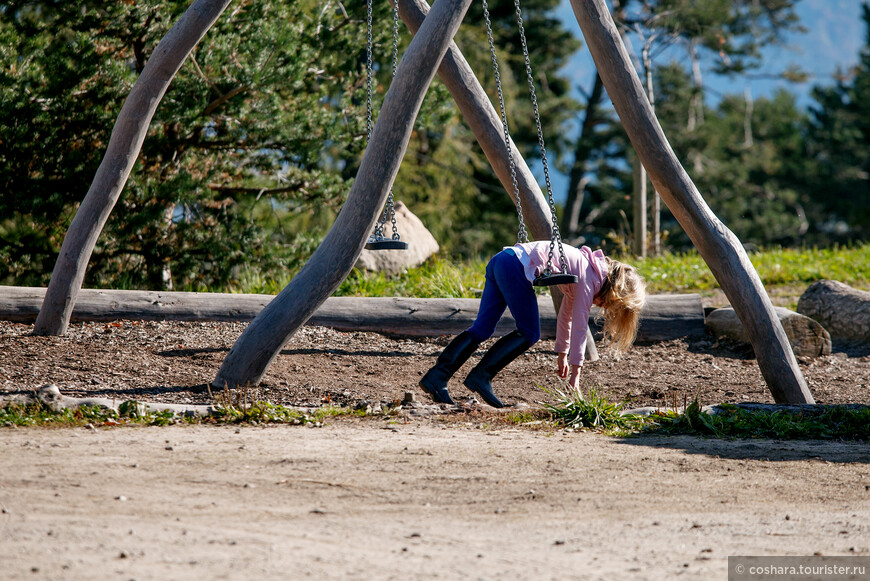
(621,299)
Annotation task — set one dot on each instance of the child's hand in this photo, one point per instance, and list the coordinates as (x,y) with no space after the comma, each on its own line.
(563,365)
(574,381)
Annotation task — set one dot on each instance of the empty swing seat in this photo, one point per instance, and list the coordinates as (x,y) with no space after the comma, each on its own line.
(375,243)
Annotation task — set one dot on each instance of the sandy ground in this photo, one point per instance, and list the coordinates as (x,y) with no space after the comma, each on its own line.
(380,498)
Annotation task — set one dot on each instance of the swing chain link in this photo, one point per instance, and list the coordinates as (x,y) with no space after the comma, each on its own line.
(390,207)
(369,66)
(522,236)
(556,237)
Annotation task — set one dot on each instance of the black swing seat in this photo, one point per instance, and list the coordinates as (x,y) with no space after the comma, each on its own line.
(554,279)
(375,243)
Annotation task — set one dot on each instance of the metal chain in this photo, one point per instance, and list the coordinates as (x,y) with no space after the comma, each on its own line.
(555,238)
(379,231)
(390,207)
(522,236)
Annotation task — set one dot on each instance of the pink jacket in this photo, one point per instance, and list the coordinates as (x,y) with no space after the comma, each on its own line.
(591,270)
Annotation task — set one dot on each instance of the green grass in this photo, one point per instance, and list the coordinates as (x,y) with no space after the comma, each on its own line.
(834,423)
(438,277)
(777,267)
(784,271)
(134,413)
(571,410)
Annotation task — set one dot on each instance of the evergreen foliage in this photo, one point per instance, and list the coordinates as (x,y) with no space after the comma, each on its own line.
(256,143)
(252,150)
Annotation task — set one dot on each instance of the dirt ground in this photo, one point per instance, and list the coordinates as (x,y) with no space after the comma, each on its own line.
(443,497)
(173,361)
(385,499)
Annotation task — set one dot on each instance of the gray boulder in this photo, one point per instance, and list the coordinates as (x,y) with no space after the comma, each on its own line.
(842,310)
(421,245)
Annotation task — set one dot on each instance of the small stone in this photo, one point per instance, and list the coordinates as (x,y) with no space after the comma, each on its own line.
(170,448)
(123,555)
(121,498)
(559,542)
(409,397)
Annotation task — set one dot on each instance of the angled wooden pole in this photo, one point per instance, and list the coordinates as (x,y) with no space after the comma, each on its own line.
(485,123)
(719,247)
(125,143)
(261,342)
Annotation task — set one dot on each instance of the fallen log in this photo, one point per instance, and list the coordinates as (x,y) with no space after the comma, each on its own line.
(842,310)
(665,317)
(51,397)
(807,337)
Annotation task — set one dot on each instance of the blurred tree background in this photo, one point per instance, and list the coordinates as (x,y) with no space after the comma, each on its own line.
(256,143)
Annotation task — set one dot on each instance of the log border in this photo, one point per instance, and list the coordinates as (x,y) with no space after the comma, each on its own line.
(665,317)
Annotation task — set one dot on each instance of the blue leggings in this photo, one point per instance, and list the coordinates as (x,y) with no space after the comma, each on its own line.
(507,286)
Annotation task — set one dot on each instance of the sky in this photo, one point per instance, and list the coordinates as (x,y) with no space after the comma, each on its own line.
(835,34)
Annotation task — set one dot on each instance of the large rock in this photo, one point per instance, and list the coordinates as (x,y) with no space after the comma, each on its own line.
(806,336)
(421,245)
(842,310)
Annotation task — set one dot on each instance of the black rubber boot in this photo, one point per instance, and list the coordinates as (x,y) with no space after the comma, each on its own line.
(503,352)
(451,359)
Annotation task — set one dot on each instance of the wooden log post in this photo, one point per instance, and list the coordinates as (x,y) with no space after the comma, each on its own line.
(664,317)
(261,342)
(486,125)
(123,150)
(717,244)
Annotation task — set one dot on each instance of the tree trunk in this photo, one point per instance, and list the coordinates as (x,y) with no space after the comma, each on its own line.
(484,121)
(842,310)
(123,150)
(261,342)
(582,151)
(716,243)
(639,199)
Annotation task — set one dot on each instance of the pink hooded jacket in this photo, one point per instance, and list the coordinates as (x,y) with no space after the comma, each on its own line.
(591,269)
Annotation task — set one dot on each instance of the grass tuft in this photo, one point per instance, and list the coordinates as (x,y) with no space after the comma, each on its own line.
(573,410)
